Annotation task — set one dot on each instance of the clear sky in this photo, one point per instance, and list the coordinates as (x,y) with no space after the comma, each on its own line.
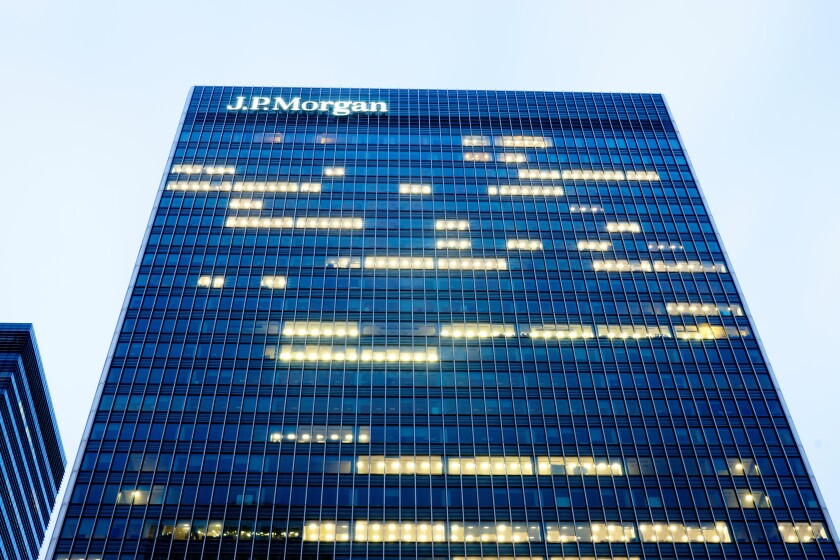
(92,92)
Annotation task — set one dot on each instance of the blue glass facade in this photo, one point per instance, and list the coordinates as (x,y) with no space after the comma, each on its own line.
(435,324)
(31,455)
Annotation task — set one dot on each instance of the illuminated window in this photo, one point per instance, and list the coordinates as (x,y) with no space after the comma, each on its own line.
(245,204)
(594,245)
(273,282)
(457,244)
(415,188)
(523,142)
(485,466)
(691,266)
(319,434)
(578,465)
(289,222)
(746,499)
(477,156)
(524,245)
(699,309)
(569,332)
(336,329)
(623,227)
(476,330)
(593,175)
(428,263)
(539,174)
(326,531)
(494,532)
(379,464)
(472,264)
(344,262)
(394,531)
(677,532)
(622,266)
(208,170)
(452,225)
(633,331)
(512,158)
(665,247)
(475,141)
(334,172)
(525,190)
(276,186)
(803,532)
(583,209)
(241,186)
(709,332)
(211,281)
(137,496)
(350,354)
(740,467)
(589,532)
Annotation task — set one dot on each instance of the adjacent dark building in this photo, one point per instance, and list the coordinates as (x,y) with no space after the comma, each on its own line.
(374,323)
(31,455)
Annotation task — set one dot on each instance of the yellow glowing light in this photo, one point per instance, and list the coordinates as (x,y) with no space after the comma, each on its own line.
(524,245)
(245,204)
(477,156)
(202,169)
(334,172)
(413,188)
(273,282)
(623,227)
(512,158)
(594,245)
(456,244)
(476,330)
(452,225)
(336,329)
(211,281)
(518,141)
(583,208)
(299,223)
(356,355)
(475,141)
(539,174)
(525,190)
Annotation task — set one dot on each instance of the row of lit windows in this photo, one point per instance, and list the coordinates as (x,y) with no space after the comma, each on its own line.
(503,158)
(406,531)
(429,263)
(656,266)
(415,188)
(525,190)
(477,466)
(338,329)
(586,175)
(244,186)
(348,354)
(321,434)
(289,222)
(188,169)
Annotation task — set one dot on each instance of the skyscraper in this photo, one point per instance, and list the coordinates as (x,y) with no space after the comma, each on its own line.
(31,455)
(435,324)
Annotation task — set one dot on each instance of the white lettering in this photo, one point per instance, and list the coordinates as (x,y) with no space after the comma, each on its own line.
(337,108)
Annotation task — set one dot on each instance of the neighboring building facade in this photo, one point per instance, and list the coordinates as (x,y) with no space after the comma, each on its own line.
(435,324)
(31,455)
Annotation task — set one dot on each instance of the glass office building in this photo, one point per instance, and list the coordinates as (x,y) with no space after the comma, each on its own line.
(31,455)
(371,323)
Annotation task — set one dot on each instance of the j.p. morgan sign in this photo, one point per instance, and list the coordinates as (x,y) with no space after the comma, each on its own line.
(295,105)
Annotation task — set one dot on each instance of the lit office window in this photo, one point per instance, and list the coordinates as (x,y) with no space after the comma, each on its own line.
(486,466)
(703,309)
(344,262)
(471,264)
(593,209)
(803,532)
(594,245)
(245,204)
(633,331)
(475,141)
(709,332)
(677,532)
(452,225)
(623,227)
(205,169)
(276,187)
(319,434)
(326,531)
(524,245)
(622,266)
(336,329)
(319,353)
(379,464)
(394,531)
(456,244)
(512,158)
(589,532)
(745,498)
(273,282)
(477,156)
(494,532)
(211,281)
(525,190)
(690,266)
(539,174)
(586,466)
(334,172)
(559,332)
(289,222)
(740,467)
(476,330)
(519,141)
(665,247)
(415,188)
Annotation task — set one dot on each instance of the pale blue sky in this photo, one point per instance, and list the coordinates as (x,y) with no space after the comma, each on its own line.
(92,92)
